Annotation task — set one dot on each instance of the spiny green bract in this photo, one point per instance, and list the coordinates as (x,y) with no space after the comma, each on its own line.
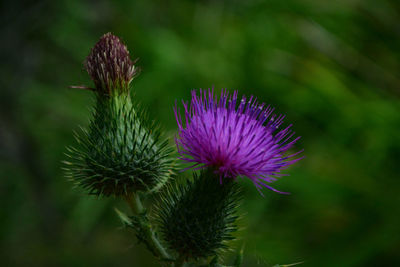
(120,153)
(198,218)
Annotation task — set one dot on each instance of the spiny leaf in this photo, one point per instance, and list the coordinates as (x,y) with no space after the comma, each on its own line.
(123,217)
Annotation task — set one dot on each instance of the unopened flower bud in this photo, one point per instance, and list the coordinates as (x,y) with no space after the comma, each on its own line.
(121,152)
(109,65)
(197,219)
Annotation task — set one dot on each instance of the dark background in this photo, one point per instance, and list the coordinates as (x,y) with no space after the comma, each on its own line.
(331,66)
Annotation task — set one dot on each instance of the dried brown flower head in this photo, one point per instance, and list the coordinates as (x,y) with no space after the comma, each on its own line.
(109,65)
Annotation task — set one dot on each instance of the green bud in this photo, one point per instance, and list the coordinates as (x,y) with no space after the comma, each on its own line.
(121,153)
(197,219)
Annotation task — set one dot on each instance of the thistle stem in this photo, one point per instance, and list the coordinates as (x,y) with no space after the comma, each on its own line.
(145,228)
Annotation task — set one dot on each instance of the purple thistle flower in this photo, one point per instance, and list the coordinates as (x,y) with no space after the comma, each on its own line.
(234,139)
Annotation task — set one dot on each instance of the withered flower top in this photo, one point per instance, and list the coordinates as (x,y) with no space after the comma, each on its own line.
(110,66)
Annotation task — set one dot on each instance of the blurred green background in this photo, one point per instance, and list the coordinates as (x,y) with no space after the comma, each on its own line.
(333,67)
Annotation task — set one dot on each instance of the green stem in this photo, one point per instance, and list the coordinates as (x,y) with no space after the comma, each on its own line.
(151,239)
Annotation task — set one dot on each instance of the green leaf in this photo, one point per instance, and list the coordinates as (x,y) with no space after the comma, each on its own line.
(126,221)
(239,257)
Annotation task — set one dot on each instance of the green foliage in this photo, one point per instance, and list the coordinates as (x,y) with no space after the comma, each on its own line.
(121,152)
(144,233)
(197,219)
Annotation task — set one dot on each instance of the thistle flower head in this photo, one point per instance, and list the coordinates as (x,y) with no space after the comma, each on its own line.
(197,218)
(110,66)
(120,153)
(235,138)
